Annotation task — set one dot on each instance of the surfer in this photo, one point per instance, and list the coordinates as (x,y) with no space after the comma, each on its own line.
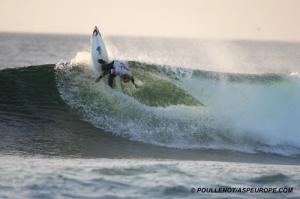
(114,69)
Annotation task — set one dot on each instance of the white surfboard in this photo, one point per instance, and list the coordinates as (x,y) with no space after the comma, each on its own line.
(98,50)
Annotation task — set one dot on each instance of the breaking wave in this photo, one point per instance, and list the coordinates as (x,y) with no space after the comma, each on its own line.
(244,112)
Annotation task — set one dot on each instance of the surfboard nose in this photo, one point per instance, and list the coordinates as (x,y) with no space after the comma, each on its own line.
(96,31)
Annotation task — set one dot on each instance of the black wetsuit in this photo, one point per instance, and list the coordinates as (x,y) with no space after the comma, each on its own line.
(107,69)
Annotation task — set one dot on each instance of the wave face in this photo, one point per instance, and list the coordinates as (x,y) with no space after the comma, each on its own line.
(250,113)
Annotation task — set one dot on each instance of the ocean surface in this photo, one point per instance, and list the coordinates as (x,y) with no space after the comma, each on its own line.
(207,114)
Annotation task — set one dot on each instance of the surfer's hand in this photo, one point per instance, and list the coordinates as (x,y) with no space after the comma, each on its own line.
(98,79)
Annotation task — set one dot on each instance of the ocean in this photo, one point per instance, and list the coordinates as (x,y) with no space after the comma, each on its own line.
(217,116)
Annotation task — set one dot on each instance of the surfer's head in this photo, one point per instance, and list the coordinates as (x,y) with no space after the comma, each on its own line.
(126,78)
(101,61)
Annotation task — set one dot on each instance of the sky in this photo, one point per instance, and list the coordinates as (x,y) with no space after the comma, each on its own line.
(221,19)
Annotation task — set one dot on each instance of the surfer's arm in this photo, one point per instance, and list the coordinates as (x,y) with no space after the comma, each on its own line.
(98,78)
(101,76)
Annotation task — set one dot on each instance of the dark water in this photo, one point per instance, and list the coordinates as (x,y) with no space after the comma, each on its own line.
(69,134)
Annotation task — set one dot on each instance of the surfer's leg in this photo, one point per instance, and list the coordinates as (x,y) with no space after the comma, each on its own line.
(111,78)
(105,67)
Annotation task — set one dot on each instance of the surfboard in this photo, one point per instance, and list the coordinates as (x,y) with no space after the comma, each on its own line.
(98,50)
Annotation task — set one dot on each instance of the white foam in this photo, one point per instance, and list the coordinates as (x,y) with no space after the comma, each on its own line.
(237,116)
(82,57)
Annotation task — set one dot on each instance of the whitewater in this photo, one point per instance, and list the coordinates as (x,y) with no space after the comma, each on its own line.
(238,111)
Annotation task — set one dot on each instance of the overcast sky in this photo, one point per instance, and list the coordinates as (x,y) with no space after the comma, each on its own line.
(237,19)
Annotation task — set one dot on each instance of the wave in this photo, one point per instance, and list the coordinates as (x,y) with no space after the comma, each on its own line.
(249,113)
(244,112)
